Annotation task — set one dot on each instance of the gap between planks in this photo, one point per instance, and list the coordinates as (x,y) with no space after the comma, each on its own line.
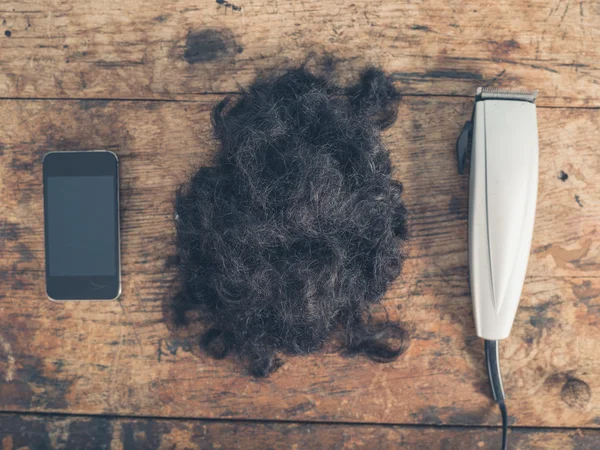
(207,94)
(41,414)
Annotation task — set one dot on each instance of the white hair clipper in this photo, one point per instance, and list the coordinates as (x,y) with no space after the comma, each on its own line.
(502,198)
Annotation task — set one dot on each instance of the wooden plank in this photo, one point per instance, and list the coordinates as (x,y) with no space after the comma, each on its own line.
(55,432)
(161,49)
(122,358)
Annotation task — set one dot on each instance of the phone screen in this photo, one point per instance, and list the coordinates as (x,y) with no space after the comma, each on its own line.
(81,225)
(80,212)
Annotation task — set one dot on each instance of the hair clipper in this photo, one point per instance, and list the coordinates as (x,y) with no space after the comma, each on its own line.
(503,140)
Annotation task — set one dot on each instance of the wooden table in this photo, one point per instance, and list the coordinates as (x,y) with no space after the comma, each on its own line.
(139,78)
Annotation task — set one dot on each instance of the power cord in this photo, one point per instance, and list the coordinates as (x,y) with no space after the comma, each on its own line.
(493,366)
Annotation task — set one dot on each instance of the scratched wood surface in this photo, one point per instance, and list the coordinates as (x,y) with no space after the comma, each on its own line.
(164,49)
(54,433)
(122,358)
(81,75)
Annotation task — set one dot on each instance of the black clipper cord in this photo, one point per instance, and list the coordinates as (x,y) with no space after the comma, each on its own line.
(493,366)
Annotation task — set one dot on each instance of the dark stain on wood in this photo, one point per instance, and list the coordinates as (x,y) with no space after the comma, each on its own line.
(162,18)
(17,283)
(541,319)
(482,386)
(420,28)
(453,74)
(563,176)
(9,231)
(17,432)
(67,433)
(299,409)
(429,415)
(25,253)
(28,381)
(558,378)
(529,338)
(503,49)
(171,346)
(543,308)
(90,435)
(15,393)
(541,249)
(576,393)
(436,75)
(585,292)
(475,417)
(7,33)
(578,200)
(450,415)
(20,162)
(50,392)
(227,4)
(209,45)
(143,435)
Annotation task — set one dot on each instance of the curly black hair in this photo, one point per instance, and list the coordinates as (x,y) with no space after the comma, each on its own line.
(297,227)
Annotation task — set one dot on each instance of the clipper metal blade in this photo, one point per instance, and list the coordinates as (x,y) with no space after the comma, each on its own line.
(506,94)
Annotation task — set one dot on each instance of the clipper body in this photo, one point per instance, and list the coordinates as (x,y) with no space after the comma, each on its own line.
(502,200)
(502,196)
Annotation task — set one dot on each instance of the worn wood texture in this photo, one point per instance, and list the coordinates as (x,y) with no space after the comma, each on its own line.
(165,49)
(58,433)
(121,357)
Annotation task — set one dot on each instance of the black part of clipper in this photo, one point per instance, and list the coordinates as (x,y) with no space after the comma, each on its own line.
(463,145)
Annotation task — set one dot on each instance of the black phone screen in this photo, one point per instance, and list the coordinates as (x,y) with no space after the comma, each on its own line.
(81,225)
(81,214)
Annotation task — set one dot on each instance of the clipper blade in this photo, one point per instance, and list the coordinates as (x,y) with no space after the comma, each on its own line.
(506,94)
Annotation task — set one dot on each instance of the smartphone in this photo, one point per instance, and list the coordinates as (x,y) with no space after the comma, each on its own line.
(81,225)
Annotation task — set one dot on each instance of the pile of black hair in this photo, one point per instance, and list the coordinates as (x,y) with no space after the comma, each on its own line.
(297,227)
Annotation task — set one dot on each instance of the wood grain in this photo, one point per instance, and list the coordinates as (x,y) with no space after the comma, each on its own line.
(58,433)
(123,358)
(163,49)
